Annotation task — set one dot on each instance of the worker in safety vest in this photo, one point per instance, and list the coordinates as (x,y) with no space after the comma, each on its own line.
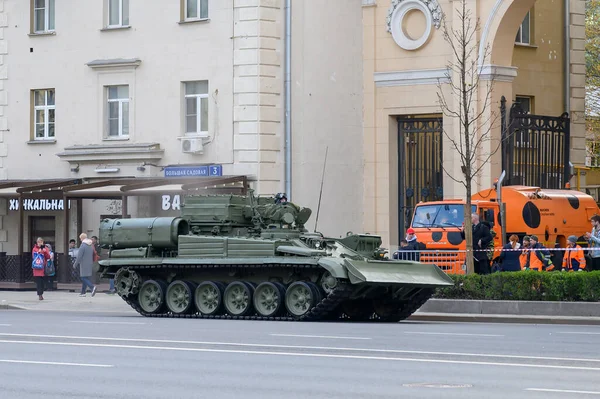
(525,253)
(574,259)
(540,258)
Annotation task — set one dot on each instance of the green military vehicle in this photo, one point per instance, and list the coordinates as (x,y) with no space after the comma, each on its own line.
(248,257)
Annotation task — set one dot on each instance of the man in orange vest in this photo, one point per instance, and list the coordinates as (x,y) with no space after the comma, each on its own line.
(574,259)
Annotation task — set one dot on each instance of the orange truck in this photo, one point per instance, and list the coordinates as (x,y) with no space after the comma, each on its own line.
(552,215)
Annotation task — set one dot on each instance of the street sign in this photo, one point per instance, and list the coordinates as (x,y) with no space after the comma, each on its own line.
(194,171)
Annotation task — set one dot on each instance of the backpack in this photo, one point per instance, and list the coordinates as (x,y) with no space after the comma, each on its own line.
(38,261)
(50,269)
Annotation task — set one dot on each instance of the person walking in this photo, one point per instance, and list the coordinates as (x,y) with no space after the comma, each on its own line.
(510,255)
(39,256)
(85,261)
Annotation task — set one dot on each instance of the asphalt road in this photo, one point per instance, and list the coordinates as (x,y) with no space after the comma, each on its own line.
(64,355)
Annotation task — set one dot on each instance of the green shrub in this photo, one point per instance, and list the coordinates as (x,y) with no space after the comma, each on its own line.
(525,286)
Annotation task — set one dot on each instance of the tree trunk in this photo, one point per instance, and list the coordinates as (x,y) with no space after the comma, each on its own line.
(469,235)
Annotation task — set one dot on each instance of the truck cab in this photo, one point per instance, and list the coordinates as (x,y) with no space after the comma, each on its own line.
(438,225)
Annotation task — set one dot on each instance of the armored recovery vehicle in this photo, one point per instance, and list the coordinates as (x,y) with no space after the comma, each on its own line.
(248,257)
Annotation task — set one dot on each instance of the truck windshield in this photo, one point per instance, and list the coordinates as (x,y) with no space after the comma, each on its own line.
(440,215)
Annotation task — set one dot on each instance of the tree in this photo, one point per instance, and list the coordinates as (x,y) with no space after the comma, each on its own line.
(466,98)
(592,67)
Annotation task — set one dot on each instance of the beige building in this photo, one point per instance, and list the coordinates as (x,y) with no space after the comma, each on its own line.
(535,58)
(103,89)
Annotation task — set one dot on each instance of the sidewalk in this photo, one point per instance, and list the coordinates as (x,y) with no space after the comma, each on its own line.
(66,301)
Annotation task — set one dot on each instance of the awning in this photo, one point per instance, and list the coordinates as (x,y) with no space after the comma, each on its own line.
(117,188)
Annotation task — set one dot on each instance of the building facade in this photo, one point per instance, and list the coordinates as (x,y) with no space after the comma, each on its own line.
(532,51)
(107,89)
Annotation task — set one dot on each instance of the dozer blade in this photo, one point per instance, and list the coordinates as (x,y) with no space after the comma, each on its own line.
(396,272)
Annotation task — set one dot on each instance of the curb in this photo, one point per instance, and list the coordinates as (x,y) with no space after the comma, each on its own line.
(7,306)
(491,318)
(548,309)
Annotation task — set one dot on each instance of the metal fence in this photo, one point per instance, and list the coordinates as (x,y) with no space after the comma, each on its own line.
(17,269)
(454,261)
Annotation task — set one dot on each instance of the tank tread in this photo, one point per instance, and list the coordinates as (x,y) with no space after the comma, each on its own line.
(409,308)
(320,311)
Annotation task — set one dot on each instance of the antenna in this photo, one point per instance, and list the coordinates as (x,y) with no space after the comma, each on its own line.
(321,191)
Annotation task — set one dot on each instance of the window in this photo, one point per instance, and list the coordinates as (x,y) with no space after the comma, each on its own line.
(118,111)
(196,107)
(43,114)
(526,103)
(118,13)
(524,32)
(43,16)
(195,9)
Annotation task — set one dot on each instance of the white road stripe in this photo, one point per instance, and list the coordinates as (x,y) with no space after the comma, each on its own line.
(562,391)
(105,322)
(239,344)
(454,334)
(300,354)
(55,363)
(5,325)
(315,336)
(578,333)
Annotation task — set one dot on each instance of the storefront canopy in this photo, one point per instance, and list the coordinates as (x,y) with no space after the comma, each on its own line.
(116,188)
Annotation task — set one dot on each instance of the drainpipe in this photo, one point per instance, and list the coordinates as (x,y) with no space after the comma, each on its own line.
(567,59)
(288,99)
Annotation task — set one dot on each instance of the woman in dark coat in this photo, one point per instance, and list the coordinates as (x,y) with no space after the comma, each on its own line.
(510,255)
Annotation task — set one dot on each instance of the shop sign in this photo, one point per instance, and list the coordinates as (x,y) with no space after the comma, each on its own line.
(171,202)
(38,205)
(194,171)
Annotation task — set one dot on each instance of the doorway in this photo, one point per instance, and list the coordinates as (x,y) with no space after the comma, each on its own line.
(44,227)
(420,174)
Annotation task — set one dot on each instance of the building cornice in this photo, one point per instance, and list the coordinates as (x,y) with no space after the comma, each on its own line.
(411,77)
(498,73)
(112,152)
(115,63)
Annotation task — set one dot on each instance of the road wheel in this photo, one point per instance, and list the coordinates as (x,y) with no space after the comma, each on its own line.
(180,297)
(209,298)
(238,298)
(152,296)
(299,299)
(268,299)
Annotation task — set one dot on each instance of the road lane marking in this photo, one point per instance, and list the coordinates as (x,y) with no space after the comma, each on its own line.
(562,391)
(298,354)
(106,322)
(315,336)
(455,334)
(374,350)
(55,363)
(5,325)
(578,332)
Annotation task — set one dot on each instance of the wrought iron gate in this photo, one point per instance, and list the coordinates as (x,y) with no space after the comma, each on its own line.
(535,148)
(420,174)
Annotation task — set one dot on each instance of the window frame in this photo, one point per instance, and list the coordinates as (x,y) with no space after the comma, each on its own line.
(120,101)
(46,9)
(199,98)
(184,10)
(120,23)
(46,108)
(519,37)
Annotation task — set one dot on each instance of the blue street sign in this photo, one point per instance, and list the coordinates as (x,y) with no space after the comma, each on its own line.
(215,170)
(186,171)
